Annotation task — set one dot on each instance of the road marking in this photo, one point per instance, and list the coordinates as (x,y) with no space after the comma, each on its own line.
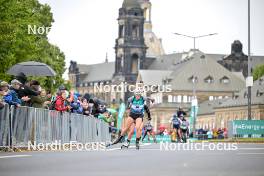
(250,153)
(250,148)
(14,156)
(133,146)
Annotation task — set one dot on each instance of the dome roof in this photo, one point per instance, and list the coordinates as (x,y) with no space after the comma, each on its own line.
(131,4)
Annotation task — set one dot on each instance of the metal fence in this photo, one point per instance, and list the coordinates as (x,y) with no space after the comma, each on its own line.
(4,126)
(20,125)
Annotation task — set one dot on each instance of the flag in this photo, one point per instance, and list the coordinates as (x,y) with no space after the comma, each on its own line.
(121,112)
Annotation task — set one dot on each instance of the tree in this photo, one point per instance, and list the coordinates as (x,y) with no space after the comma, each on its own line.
(17,45)
(258,72)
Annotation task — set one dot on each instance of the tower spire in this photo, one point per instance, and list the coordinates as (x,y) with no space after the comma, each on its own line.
(106,58)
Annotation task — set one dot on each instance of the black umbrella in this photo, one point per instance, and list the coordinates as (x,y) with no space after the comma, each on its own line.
(31,69)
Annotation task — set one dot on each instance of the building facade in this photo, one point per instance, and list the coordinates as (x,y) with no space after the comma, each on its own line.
(217,113)
(140,57)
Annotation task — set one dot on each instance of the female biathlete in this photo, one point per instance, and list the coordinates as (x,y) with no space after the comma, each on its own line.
(131,130)
(136,107)
(149,131)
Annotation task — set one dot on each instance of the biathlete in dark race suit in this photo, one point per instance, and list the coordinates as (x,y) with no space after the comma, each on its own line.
(148,130)
(131,131)
(136,106)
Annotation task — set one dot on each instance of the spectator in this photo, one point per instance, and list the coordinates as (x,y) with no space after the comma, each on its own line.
(87,108)
(76,105)
(2,93)
(220,133)
(225,133)
(36,101)
(25,90)
(106,117)
(215,135)
(46,98)
(1,105)
(210,134)
(15,86)
(21,77)
(10,96)
(59,92)
(180,112)
(60,102)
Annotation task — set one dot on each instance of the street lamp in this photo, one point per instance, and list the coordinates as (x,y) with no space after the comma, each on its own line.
(194,104)
(195,37)
(249,78)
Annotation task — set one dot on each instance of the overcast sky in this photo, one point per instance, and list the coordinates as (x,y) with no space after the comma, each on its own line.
(86,30)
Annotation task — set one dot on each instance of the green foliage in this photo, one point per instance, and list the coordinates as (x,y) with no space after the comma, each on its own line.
(68,85)
(258,72)
(17,45)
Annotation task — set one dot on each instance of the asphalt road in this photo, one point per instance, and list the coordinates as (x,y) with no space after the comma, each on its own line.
(247,160)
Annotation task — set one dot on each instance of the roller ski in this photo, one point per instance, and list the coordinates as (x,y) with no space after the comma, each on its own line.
(125,145)
(117,140)
(137,145)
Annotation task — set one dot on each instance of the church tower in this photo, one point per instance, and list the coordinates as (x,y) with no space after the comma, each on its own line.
(154,44)
(146,6)
(130,47)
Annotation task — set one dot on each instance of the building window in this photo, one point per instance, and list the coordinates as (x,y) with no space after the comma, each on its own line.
(193,79)
(170,99)
(209,80)
(211,98)
(245,94)
(121,31)
(225,80)
(174,98)
(185,98)
(135,63)
(179,99)
(189,98)
(220,97)
(135,31)
(259,93)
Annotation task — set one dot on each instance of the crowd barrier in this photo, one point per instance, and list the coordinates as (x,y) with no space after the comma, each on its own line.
(5,126)
(21,125)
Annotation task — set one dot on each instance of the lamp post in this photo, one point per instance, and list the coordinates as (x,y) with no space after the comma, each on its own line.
(249,78)
(195,37)
(194,104)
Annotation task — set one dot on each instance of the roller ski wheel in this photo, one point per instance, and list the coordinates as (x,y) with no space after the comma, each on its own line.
(137,146)
(124,147)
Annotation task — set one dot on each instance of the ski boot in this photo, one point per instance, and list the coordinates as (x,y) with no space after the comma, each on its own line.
(117,140)
(155,140)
